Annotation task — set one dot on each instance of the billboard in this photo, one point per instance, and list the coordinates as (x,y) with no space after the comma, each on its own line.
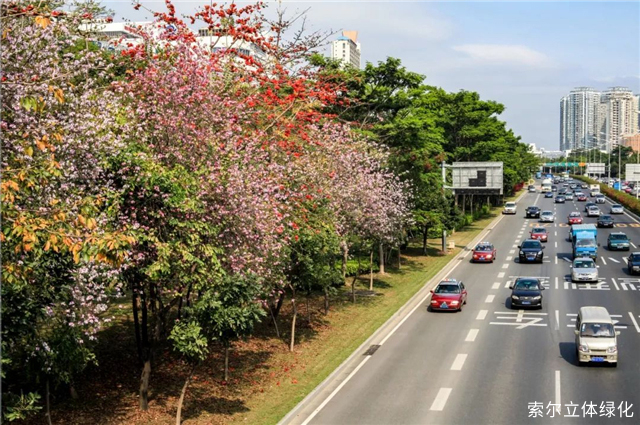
(595,168)
(632,172)
(477,177)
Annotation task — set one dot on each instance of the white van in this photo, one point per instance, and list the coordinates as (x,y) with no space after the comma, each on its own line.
(596,337)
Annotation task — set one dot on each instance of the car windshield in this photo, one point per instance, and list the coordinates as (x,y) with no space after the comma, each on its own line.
(534,208)
(510,204)
(584,264)
(616,206)
(527,285)
(605,217)
(539,230)
(531,244)
(447,289)
(547,213)
(615,237)
(597,330)
(483,248)
(586,243)
(635,257)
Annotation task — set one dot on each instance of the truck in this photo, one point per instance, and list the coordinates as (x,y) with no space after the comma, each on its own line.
(584,240)
(546,185)
(594,189)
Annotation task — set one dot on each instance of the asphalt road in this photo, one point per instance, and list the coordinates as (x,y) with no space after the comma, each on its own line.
(492,365)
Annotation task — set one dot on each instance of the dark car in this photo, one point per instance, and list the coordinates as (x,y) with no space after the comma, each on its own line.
(548,194)
(526,292)
(533,211)
(560,199)
(589,205)
(554,188)
(605,221)
(531,251)
(618,240)
(633,263)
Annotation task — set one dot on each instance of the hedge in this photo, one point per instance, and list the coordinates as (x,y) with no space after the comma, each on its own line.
(629,202)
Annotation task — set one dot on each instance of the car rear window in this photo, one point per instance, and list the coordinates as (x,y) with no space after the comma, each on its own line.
(531,244)
(618,237)
(539,230)
(483,248)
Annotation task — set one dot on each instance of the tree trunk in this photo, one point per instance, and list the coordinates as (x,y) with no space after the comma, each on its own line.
(144,385)
(371,270)
(399,257)
(293,322)
(308,307)
(464,202)
(226,362)
(326,301)
(353,283)
(136,324)
(275,323)
(48,404)
(146,356)
(182,395)
(382,258)
(425,240)
(73,392)
(345,258)
(276,309)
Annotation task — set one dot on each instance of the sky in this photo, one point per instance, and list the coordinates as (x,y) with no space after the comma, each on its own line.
(525,55)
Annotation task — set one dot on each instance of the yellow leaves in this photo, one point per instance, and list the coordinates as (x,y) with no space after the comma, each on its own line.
(29,151)
(43,21)
(9,184)
(43,143)
(59,95)
(91,223)
(82,220)
(58,137)
(47,246)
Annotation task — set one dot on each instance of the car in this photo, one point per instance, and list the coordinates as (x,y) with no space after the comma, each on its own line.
(526,292)
(450,294)
(616,209)
(588,205)
(600,199)
(574,218)
(531,251)
(573,186)
(562,191)
(593,212)
(560,199)
(605,221)
(532,211)
(532,188)
(509,208)
(569,196)
(547,217)
(484,252)
(618,240)
(596,336)
(548,194)
(554,188)
(633,263)
(539,233)
(584,186)
(584,269)
(581,197)
(628,190)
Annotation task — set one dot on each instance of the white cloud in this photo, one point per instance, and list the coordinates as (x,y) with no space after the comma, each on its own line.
(505,54)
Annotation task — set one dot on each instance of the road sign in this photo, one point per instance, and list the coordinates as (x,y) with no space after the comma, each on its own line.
(477,177)
(616,185)
(632,172)
(595,168)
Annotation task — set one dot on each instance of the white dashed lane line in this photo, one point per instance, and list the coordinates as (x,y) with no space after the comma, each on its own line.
(635,323)
(471,336)
(602,258)
(505,266)
(496,285)
(482,314)
(489,298)
(500,275)
(441,399)
(459,362)
(509,258)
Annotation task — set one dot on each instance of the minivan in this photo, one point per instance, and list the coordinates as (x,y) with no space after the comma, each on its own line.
(596,337)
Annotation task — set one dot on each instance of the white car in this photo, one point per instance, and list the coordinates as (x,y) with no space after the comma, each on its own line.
(593,212)
(568,196)
(584,269)
(509,208)
(617,209)
(547,217)
(600,199)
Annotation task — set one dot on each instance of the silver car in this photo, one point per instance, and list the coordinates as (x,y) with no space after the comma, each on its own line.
(547,217)
(584,269)
(569,196)
(593,212)
(617,209)
(509,208)
(596,336)
(599,199)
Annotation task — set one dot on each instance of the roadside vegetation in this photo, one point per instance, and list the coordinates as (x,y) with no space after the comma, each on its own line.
(178,225)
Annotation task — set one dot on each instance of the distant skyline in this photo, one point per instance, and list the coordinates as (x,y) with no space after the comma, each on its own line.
(525,55)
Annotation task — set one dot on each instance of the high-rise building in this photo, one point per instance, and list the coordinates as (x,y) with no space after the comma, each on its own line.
(619,109)
(579,119)
(346,49)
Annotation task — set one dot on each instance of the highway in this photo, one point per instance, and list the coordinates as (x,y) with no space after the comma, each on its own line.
(492,365)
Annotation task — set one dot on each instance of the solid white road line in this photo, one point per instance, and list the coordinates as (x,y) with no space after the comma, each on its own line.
(602,258)
(509,258)
(471,336)
(482,314)
(489,298)
(557,320)
(441,399)
(505,266)
(615,284)
(496,285)
(334,392)
(558,399)
(459,362)
(635,323)
(500,275)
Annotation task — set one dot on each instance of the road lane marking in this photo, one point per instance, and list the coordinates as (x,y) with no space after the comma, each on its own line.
(518,241)
(507,285)
(556,244)
(625,260)
(634,245)
(441,399)
(556,260)
(500,275)
(558,399)
(557,320)
(566,285)
(489,298)
(513,251)
(614,260)
(496,285)
(635,323)
(458,362)
(509,258)
(566,259)
(520,316)
(555,233)
(482,314)
(505,266)
(334,392)
(471,336)
(514,246)
(615,284)
(624,286)
(556,286)
(632,286)
(602,258)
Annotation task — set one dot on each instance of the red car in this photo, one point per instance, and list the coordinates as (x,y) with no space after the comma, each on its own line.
(539,233)
(484,252)
(448,295)
(575,218)
(581,197)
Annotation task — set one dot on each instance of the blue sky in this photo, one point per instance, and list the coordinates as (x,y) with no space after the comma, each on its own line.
(526,55)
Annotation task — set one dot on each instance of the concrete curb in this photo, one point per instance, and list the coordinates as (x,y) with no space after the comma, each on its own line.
(346,367)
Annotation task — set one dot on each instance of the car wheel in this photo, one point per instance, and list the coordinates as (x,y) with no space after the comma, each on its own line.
(614,364)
